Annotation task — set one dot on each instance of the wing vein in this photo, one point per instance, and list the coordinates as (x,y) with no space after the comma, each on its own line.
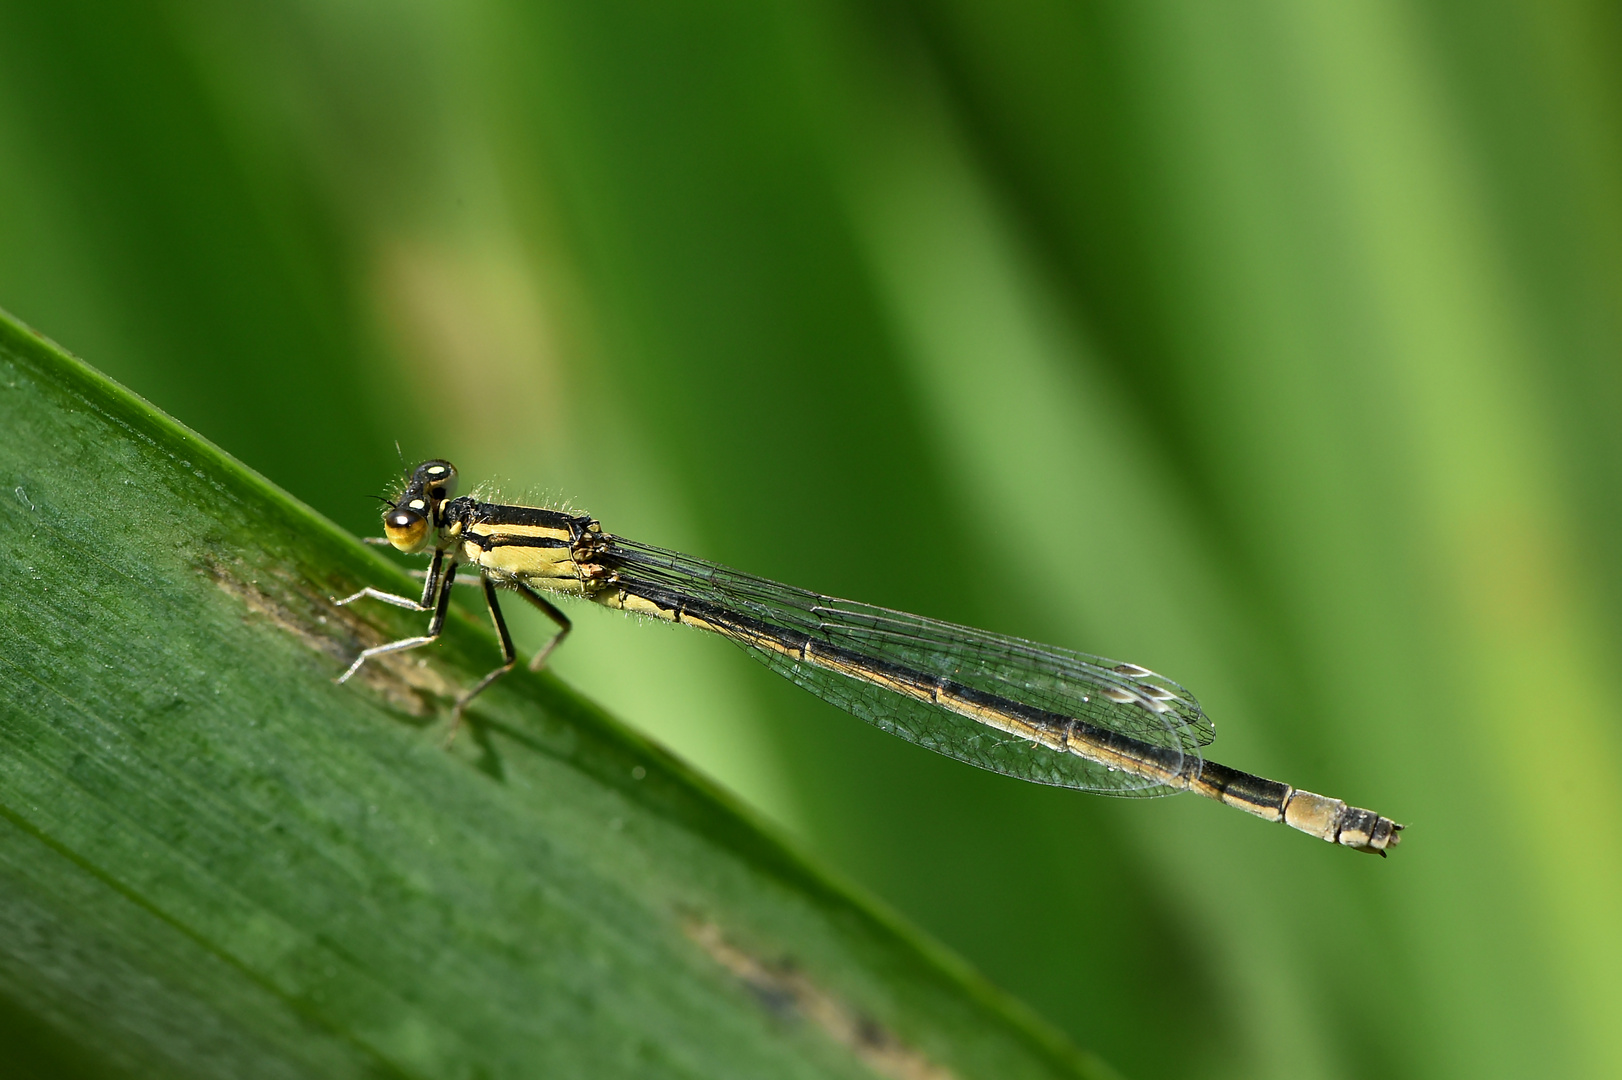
(946,687)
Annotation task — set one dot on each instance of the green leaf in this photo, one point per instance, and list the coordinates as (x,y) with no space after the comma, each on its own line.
(216,862)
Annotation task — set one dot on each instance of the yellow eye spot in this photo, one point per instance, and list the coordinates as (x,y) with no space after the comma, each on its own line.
(417,504)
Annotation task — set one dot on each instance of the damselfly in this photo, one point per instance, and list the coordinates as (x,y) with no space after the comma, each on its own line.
(1032,711)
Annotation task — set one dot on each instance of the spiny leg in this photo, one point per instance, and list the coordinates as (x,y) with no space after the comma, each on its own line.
(509,654)
(509,657)
(429,585)
(387,597)
(435,624)
(559,619)
(461,582)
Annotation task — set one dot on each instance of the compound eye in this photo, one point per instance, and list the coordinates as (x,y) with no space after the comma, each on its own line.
(406,529)
(438,478)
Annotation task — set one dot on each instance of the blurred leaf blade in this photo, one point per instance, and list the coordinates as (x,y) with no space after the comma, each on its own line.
(213,861)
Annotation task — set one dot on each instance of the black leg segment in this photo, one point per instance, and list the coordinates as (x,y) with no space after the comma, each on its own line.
(551,612)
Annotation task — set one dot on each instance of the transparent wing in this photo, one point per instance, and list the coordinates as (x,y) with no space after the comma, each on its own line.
(1117,697)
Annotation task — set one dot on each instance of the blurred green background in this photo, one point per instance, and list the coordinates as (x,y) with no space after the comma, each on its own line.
(1272,345)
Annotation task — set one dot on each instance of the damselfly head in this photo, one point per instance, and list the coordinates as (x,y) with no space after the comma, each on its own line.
(409,521)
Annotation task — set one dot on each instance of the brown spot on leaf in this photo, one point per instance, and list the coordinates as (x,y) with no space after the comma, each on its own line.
(292,605)
(785,991)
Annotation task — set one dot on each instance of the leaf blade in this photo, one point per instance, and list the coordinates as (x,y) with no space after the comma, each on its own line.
(215,861)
